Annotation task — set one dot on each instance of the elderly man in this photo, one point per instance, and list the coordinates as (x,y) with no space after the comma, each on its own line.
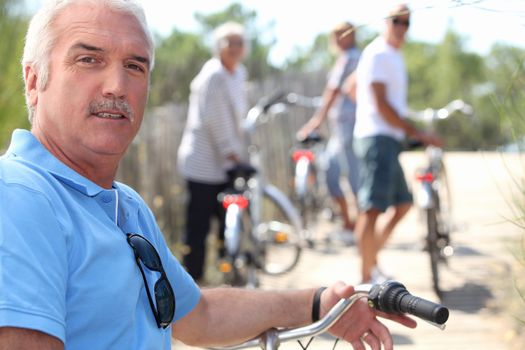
(83,263)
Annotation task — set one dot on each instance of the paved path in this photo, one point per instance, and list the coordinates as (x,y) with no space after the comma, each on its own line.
(482,186)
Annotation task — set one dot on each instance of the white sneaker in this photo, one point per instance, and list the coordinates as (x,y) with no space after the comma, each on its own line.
(379,276)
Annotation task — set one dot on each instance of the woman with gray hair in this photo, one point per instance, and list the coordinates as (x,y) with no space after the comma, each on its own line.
(212,139)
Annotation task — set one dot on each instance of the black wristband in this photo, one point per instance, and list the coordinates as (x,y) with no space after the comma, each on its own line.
(316,304)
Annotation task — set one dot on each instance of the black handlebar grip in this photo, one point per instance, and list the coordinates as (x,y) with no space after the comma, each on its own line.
(411,144)
(392,297)
(423,308)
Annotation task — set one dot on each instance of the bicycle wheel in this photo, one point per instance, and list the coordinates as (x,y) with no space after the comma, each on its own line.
(278,238)
(307,217)
(303,192)
(304,181)
(238,265)
(309,212)
(315,206)
(433,248)
(444,213)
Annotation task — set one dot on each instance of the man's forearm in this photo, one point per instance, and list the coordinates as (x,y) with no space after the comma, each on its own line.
(394,119)
(227,316)
(329,96)
(388,112)
(22,338)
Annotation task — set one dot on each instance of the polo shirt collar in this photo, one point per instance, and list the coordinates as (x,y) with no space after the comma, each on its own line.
(26,146)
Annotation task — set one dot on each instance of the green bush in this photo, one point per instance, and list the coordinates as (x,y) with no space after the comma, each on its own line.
(510,107)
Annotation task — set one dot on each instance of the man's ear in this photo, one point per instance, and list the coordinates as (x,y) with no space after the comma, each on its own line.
(30,78)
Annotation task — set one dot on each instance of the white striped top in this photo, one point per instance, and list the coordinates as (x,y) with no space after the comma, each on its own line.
(218,102)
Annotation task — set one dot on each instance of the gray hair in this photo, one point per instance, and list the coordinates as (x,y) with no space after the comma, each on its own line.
(400,9)
(225,30)
(41,38)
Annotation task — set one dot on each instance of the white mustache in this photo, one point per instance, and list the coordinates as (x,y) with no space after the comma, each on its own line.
(122,107)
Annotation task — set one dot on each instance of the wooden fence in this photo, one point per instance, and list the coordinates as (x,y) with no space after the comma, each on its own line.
(150,163)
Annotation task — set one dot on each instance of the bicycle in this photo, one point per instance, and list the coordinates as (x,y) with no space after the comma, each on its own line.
(434,195)
(390,297)
(239,263)
(310,192)
(262,227)
(309,183)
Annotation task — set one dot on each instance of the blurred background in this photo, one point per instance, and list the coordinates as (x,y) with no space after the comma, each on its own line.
(469,50)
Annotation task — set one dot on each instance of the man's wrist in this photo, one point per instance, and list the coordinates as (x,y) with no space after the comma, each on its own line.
(316,304)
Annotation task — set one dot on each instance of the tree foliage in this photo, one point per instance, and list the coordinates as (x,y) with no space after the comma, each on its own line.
(178,59)
(317,57)
(12,106)
(442,73)
(179,56)
(257,62)
(320,55)
(505,70)
(438,74)
(494,84)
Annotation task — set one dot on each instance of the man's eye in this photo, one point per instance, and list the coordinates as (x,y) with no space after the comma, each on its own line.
(136,67)
(87,59)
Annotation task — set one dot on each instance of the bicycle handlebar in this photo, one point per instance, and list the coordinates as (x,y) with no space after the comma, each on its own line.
(390,297)
(430,114)
(266,102)
(312,138)
(303,101)
(263,106)
(411,144)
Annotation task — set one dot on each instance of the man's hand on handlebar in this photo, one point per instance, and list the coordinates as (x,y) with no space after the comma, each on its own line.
(360,324)
(307,129)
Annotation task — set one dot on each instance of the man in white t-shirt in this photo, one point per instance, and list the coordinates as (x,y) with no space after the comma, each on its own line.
(379,131)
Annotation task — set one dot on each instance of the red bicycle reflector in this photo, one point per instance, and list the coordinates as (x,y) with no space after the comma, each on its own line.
(300,153)
(238,199)
(425,177)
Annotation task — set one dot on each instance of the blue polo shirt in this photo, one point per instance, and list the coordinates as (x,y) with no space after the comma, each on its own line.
(66,268)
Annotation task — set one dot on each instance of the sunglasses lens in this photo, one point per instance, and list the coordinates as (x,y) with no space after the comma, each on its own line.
(164,296)
(146,252)
(165,301)
(398,21)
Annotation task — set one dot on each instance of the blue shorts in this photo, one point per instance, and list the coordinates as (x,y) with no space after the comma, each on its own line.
(382,181)
(340,158)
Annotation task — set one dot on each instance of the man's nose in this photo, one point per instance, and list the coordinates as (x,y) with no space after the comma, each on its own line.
(115,83)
